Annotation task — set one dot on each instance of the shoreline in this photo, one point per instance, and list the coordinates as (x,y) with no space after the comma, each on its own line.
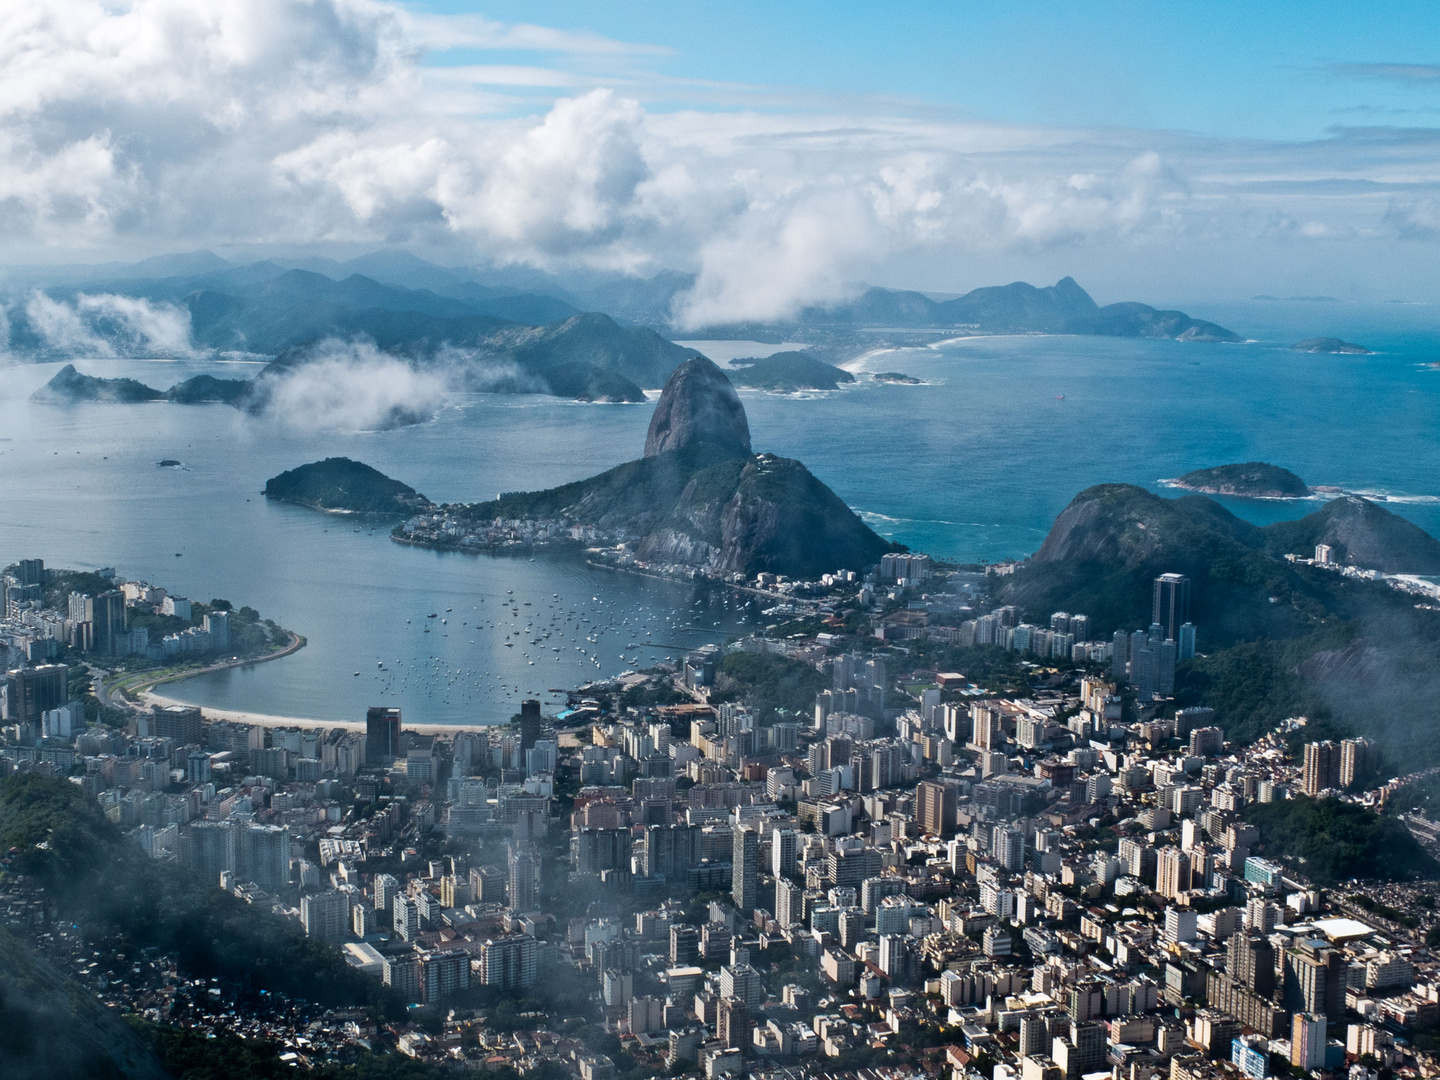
(268,720)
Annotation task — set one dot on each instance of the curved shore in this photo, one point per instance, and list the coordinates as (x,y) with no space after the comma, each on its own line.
(146,680)
(144,689)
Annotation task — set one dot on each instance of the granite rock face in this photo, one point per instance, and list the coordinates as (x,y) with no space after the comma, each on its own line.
(699,406)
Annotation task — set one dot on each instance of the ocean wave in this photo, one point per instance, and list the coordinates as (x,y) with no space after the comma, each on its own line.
(870,515)
(1325,493)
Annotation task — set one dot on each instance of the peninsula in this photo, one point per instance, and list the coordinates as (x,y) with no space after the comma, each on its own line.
(699,502)
(1253,480)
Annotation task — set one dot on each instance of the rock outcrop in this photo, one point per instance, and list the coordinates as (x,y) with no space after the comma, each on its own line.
(1329,345)
(69,385)
(1253,479)
(698,498)
(698,407)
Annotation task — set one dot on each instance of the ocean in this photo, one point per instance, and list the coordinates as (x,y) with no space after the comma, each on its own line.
(973,465)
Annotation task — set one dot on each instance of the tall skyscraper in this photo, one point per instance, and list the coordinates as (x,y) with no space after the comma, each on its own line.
(528,720)
(744,871)
(935,807)
(1359,759)
(1171,606)
(784,844)
(265,855)
(1321,771)
(32,692)
(1186,642)
(110,623)
(1008,846)
(508,962)
(524,894)
(1307,1041)
(382,734)
(326,915)
(209,849)
(1172,872)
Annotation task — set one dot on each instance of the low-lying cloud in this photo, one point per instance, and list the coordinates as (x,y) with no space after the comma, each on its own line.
(350,386)
(104,325)
(185,123)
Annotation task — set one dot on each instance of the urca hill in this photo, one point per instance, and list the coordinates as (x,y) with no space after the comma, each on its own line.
(699,498)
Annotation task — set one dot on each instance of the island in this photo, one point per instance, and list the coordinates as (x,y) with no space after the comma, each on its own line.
(699,503)
(786,372)
(70,386)
(1329,345)
(341,486)
(896,377)
(1252,480)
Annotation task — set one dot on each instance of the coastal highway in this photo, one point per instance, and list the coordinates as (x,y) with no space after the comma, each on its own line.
(108,686)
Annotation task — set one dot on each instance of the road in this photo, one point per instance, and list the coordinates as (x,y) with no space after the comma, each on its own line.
(108,686)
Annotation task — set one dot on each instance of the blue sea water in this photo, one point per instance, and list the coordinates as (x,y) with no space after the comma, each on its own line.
(973,465)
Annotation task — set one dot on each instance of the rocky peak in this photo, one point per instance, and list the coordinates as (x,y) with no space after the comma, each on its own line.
(698,406)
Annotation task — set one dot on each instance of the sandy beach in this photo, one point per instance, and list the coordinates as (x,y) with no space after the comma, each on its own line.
(269,721)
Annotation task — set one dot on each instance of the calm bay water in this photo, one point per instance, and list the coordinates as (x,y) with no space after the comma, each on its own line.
(974,465)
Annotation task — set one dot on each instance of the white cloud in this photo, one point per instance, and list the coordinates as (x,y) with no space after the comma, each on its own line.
(108,325)
(166,124)
(352,386)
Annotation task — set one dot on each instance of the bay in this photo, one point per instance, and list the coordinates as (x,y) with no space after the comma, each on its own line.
(972,466)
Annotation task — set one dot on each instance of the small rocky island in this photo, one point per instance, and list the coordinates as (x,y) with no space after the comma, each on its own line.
(70,387)
(1332,345)
(896,377)
(786,372)
(339,485)
(699,502)
(1252,480)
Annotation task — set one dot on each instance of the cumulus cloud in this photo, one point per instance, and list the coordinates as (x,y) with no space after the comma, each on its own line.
(181,123)
(351,386)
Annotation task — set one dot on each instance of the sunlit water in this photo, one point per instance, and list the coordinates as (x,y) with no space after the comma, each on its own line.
(974,465)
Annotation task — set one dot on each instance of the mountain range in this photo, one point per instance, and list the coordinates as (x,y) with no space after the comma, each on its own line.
(275,304)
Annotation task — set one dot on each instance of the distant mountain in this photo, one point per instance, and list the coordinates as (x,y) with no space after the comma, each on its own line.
(202,388)
(1359,533)
(1017,308)
(788,371)
(1329,345)
(68,386)
(339,484)
(1254,479)
(700,498)
(1107,546)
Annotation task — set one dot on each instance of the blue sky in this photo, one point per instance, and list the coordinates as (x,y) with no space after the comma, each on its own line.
(1224,68)
(784,153)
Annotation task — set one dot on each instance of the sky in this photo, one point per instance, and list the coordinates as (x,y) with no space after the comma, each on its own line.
(785,153)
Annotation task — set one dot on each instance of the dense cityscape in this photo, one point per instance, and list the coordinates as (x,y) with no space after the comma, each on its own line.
(814,850)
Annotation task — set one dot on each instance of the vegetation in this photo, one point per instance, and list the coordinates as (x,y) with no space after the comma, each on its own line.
(70,386)
(341,484)
(762,514)
(788,371)
(1328,841)
(1277,639)
(1254,478)
(189,1054)
(772,685)
(97,878)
